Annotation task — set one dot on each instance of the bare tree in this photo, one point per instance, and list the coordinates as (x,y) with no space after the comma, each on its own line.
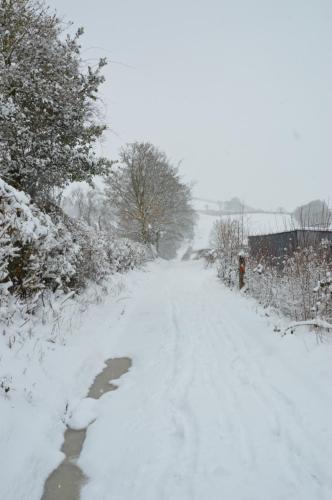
(90,205)
(152,204)
(314,214)
(227,240)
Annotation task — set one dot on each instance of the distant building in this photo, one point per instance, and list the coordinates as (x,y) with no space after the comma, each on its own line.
(277,244)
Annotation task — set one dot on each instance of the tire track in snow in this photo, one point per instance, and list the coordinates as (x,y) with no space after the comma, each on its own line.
(234,407)
(238,373)
(177,478)
(210,418)
(252,377)
(295,449)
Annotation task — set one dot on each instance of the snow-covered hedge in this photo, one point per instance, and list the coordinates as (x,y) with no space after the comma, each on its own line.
(34,252)
(125,254)
(41,251)
(298,285)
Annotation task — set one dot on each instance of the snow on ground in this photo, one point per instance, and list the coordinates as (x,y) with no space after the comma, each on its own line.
(48,375)
(85,412)
(203,229)
(215,405)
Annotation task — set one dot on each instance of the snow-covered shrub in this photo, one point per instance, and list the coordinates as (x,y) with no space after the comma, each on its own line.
(228,272)
(125,254)
(92,261)
(34,251)
(92,213)
(101,253)
(227,241)
(298,285)
(51,251)
(323,292)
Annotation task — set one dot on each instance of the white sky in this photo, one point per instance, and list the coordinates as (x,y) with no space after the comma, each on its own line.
(239,90)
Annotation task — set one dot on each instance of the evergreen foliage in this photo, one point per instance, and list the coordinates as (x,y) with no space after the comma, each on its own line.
(47,103)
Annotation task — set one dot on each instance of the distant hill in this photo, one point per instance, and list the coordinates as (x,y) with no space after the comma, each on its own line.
(235,205)
(232,206)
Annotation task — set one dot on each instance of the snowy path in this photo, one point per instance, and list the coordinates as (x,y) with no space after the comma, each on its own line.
(215,405)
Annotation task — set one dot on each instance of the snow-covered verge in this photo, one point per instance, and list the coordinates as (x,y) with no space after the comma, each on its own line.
(46,369)
(299,285)
(52,270)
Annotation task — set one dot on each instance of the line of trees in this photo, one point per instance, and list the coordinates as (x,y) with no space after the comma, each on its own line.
(315,214)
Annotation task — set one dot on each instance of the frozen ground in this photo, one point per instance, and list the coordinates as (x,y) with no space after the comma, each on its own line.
(216,405)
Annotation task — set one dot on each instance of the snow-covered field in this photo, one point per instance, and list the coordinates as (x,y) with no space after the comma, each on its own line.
(216,405)
(258,223)
(203,229)
(264,223)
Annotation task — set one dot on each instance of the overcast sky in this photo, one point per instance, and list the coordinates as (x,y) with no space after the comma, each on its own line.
(239,90)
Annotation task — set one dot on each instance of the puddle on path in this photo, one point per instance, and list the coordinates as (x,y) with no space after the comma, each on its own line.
(114,369)
(65,482)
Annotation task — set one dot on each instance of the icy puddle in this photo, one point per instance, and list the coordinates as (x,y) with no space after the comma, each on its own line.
(65,482)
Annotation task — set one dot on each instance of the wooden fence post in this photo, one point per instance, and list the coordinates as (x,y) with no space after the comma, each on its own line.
(242,270)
